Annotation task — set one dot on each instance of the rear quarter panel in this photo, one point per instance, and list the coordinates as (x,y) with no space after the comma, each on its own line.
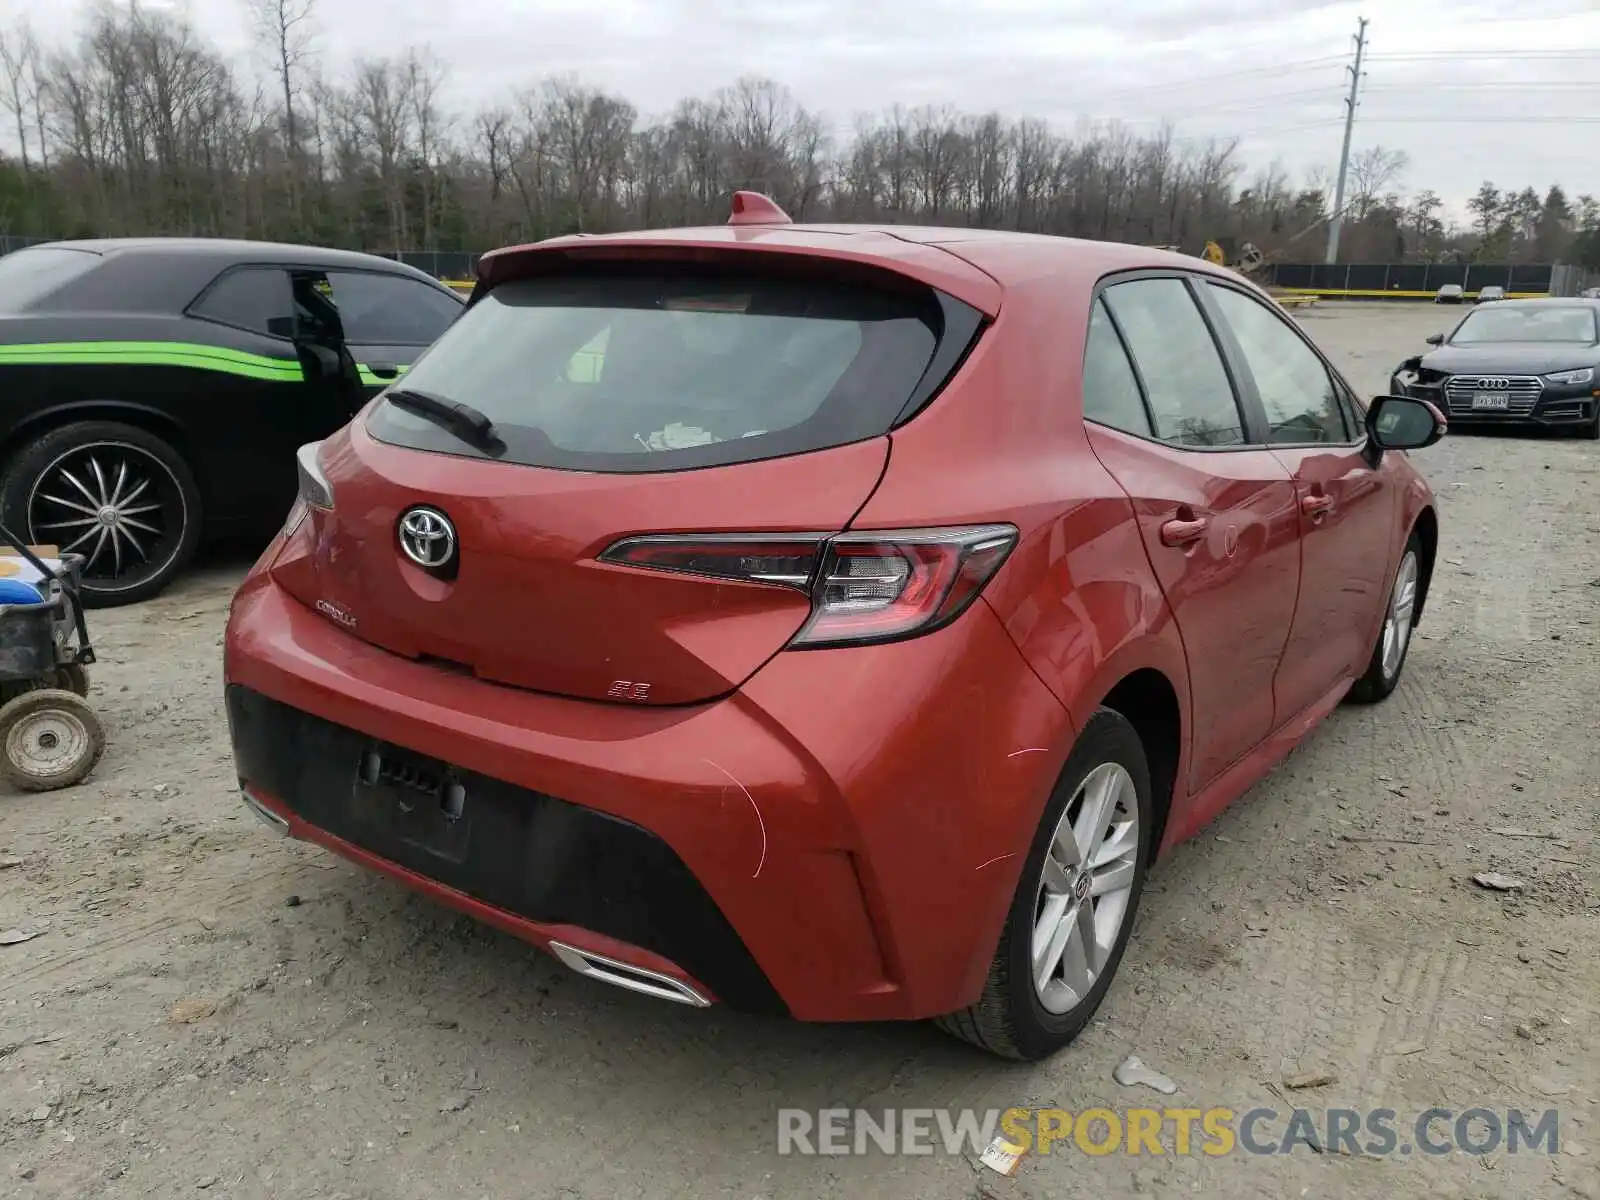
(1005,443)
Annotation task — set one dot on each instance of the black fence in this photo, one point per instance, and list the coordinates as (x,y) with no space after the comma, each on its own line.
(8,242)
(1411,280)
(441,264)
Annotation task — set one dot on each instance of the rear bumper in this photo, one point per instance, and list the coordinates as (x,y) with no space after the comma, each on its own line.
(839,840)
(554,870)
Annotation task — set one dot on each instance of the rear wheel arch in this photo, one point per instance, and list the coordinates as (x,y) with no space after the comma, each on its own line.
(153,421)
(1147,699)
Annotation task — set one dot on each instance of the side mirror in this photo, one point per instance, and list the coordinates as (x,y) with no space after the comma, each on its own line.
(281,327)
(1404,423)
(1435,339)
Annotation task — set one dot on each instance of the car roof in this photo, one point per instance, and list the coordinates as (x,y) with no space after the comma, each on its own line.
(974,265)
(235,250)
(124,281)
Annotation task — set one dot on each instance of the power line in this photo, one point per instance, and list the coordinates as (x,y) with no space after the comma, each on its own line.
(1245,104)
(1344,153)
(1559,85)
(1490,55)
(1458,118)
(1289,68)
(1302,99)
(1544,17)
(1268,131)
(1160,91)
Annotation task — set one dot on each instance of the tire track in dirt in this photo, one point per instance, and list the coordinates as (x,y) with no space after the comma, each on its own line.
(159,919)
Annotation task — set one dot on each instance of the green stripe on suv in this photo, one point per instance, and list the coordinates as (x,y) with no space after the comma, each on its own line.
(371,380)
(193,355)
(153,354)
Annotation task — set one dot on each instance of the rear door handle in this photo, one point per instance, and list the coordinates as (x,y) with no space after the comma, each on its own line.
(1178,532)
(1316,505)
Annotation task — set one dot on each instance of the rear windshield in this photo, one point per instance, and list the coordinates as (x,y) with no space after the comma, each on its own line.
(30,275)
(640,370)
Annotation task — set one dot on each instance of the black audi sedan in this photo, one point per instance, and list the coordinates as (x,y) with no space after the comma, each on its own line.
(1514,362)
(153,391)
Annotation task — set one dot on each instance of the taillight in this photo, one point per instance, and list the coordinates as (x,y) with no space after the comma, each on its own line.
(314,490)
(877,587)
(787,559)
(864,587)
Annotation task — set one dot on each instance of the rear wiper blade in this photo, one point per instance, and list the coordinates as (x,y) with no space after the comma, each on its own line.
(466,422)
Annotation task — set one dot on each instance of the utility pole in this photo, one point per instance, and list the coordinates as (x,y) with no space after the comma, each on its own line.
(1344,155)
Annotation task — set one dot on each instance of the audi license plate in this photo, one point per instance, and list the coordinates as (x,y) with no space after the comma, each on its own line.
(1490,400)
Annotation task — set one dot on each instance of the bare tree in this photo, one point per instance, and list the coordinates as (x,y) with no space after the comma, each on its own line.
(20,77)
(136,124)
(1372,171)
(424,77)
(286,29)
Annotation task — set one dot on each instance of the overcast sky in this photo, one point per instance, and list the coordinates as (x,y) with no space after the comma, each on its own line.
(1271,71)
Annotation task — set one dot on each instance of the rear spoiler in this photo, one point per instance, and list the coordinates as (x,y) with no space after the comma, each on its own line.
(867,250)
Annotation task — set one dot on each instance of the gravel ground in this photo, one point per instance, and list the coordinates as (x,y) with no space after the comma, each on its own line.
(209,1011)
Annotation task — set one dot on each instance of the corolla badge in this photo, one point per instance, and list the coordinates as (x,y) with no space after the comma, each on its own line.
(335,613)
(427,537)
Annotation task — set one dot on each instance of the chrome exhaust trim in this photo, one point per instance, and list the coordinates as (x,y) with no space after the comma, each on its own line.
(624,975)
(264,814)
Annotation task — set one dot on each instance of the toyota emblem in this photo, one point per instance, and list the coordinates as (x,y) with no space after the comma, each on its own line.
(427,537)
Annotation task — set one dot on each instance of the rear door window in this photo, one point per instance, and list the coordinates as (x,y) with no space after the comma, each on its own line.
(650,369)
(1110,388)
(391,310)
(1190,394)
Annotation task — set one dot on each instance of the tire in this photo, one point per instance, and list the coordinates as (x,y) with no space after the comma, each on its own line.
(70,677)
(1592,429)
(49,739)
(1382,675)
(1014,1017)
(54,489)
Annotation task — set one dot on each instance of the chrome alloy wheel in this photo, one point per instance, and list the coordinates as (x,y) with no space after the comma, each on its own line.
(1397,621)
(117,505)
(1085,888)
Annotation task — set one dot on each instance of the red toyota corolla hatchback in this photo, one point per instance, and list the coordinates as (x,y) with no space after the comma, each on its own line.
(830,621)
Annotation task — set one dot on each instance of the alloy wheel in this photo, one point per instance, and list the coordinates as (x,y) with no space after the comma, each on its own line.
(1397,621)
(117,505)
(1085,888)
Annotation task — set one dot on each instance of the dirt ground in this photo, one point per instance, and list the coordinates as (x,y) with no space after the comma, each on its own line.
(210,1011)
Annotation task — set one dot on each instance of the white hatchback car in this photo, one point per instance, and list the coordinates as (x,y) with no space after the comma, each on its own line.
(1493,292)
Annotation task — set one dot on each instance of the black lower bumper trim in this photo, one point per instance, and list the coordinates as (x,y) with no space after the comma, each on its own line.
(532,855)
